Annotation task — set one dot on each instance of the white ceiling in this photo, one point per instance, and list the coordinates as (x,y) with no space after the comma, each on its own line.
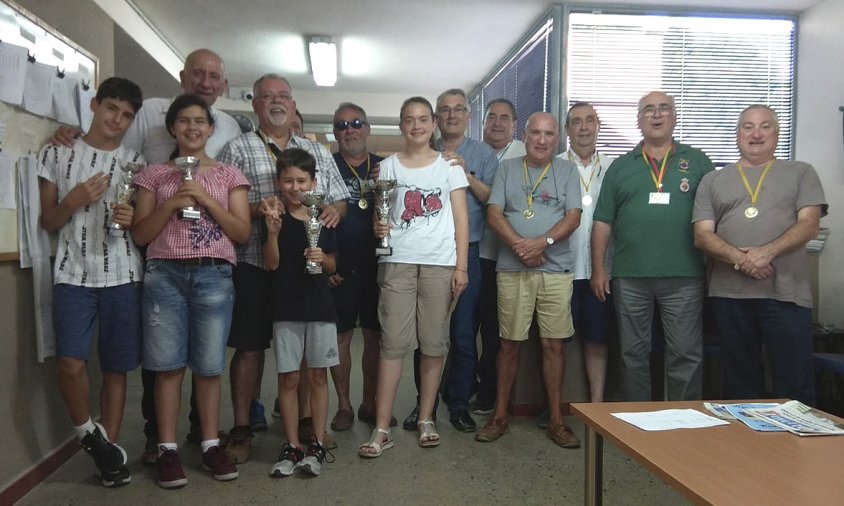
(388,49)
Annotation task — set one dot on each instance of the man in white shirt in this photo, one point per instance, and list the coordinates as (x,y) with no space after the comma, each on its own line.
(592,317)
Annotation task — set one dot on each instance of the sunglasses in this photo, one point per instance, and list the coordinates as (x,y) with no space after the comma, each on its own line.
(344,125)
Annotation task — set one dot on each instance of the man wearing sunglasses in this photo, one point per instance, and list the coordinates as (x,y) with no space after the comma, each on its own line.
(355,285)
(479,162)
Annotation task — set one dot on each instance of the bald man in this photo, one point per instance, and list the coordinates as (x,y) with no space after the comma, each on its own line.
(534,207)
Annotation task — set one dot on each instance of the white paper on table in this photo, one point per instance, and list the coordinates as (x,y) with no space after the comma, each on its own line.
(7,182)
(12,73)
(83,103)
(38,91)
(669,419)
(64,101)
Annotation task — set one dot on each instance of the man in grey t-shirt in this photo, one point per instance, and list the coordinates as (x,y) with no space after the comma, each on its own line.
(753,220)
(534,207)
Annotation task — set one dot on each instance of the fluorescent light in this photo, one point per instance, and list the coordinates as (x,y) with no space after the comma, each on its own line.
(323,53)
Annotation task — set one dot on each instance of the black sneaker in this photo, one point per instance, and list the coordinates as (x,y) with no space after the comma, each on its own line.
(109,458)
(289,459)
(313,460)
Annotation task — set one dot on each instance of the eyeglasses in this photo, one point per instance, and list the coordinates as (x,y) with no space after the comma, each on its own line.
(459,110)
(650,110)
(344,125)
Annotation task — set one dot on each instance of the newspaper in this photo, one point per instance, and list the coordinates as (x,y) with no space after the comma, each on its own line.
(800,419)
(745,414)
(790,416)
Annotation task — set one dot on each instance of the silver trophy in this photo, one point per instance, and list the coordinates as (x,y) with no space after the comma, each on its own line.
(125,190)
(187,165)
(383,187)
(313,201)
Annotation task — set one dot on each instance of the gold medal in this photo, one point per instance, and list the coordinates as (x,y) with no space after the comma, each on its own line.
(528,214)
(363,204)
(751,212)
(587,200)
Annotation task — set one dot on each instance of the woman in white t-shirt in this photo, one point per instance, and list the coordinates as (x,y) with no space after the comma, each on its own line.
(429,235)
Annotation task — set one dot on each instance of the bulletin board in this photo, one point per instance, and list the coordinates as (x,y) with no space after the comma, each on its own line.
(34,56)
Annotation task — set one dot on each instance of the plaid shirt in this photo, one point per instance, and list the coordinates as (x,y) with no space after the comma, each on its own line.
(250,153)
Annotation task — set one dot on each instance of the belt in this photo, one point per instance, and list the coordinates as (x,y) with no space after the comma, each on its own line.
(199,261)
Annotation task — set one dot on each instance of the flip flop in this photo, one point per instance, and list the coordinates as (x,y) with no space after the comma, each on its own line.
(372,444)
(428,436)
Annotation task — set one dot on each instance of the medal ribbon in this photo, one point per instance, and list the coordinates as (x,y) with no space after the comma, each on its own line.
(654,171)
(538,181)
(596,164)
(272,149)
(355,173)
(754,195)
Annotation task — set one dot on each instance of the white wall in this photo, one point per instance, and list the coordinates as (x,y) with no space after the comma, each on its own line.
(820,91)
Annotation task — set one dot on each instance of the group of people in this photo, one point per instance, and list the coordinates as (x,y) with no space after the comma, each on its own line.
(485,237)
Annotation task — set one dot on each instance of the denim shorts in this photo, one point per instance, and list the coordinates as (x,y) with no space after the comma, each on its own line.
(187,314)
(117,310)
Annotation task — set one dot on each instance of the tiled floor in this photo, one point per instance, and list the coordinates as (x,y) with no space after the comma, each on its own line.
(522,468)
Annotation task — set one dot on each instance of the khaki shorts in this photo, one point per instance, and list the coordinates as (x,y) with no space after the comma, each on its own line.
(413,309)
(519,293)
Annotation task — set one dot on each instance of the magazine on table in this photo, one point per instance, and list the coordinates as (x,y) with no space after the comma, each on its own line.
(790,416)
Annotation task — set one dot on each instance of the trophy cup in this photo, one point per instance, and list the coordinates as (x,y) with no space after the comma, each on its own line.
(383,187)
(313,201)
(124,193)
(186,165)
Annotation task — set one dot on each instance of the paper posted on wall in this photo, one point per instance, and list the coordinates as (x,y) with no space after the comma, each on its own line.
(790,416)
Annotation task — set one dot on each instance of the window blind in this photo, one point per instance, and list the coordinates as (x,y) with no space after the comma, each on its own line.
(713,67)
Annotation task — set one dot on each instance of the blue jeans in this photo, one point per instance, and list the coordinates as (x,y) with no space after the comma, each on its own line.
(187,314)
(784,329)
(464,329)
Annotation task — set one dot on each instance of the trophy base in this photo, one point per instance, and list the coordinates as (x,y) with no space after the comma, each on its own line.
(189,214)
(313,269)
(384,251)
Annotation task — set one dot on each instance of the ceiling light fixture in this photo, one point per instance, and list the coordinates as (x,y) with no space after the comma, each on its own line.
(323,54)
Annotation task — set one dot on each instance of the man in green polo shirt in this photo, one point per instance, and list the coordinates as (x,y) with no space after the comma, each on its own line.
(645,207)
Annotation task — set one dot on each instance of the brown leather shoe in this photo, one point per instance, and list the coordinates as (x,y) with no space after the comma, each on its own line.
(562,436)
(238,446)
(494,429)
(343,420)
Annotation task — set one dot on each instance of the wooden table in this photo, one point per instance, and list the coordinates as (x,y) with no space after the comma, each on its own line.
(729,464)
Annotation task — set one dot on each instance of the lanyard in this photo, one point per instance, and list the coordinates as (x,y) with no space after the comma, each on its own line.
(272,149)
(504,151)
(596,164)
(654,171)
(538,181)
(754,195)
(355,172)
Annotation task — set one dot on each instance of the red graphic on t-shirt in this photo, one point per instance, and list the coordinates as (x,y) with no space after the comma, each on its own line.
(420,203)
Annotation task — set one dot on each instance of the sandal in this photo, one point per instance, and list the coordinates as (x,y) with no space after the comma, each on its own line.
(372,444)
(428,436)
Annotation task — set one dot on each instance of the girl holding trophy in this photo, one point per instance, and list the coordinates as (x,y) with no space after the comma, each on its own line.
(422,272)
(191,212)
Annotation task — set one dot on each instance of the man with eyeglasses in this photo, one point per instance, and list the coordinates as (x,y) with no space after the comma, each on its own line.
(645,206)
(499,129)
(255,153)
(754,236)
(355,285)
(479,163)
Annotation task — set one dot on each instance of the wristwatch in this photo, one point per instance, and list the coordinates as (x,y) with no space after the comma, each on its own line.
(549,240)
